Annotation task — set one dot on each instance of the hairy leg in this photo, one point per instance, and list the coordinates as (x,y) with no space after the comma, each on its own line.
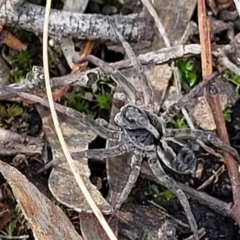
(83,118)
(206,137)
(158,171)
(182,160)
(103,123)
(136,163)
(119,100)
(144,82)
(100,153)
(176,107)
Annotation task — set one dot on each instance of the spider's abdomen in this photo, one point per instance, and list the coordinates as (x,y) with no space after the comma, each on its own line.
(184,161)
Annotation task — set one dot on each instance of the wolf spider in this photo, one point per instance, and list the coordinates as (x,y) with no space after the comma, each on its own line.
(141,129)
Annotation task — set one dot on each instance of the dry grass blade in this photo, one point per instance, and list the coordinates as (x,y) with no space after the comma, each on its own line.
(95,209)
(176,73)
(160,27)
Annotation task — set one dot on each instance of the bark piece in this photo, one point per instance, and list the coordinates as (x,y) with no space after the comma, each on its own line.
(232,50)
(46,220)
(13,143)
(67,44)
(146,222)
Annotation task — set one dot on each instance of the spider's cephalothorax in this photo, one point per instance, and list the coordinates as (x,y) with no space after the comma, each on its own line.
(137,127)
(142,131)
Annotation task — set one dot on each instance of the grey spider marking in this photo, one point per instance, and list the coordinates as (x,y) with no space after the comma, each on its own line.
(140,130)
(182,160)
(132,118)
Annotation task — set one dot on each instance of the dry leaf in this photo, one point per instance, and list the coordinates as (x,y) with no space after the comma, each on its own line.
(5,216)
(13,42)
(200,111)
(91,228)
(62,183)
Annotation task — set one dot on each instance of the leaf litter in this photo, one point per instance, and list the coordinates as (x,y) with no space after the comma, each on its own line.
(60,182)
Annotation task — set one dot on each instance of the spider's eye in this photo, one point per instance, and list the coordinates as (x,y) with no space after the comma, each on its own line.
(128,117)
(131,120)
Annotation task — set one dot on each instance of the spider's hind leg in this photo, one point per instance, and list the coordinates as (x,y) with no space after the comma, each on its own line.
(164,179)
(206,137)
(100,153)
(175,108)
(102,122)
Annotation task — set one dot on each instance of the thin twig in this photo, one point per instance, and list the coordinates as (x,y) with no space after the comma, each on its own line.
(224,60)
(63,144)
(87,79)
(211,178)
(215,204)
(14,237)
(232,166)
(214,103)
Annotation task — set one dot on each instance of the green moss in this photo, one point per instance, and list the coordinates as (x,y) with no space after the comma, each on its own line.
(103,100)
(180,123)
(90,101)
(10,111)
(187,72)
(232,77)
(16,225)
(167,194)
(23,60)
(227,114)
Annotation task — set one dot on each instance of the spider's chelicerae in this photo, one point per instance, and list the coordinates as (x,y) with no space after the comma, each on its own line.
(141,130)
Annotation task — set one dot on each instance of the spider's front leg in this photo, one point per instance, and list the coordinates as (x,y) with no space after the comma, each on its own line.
(100,153)
(164,179)
(81,117)
(205,137)
(103,153)
(144,83)
(175,108)
(136,163)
